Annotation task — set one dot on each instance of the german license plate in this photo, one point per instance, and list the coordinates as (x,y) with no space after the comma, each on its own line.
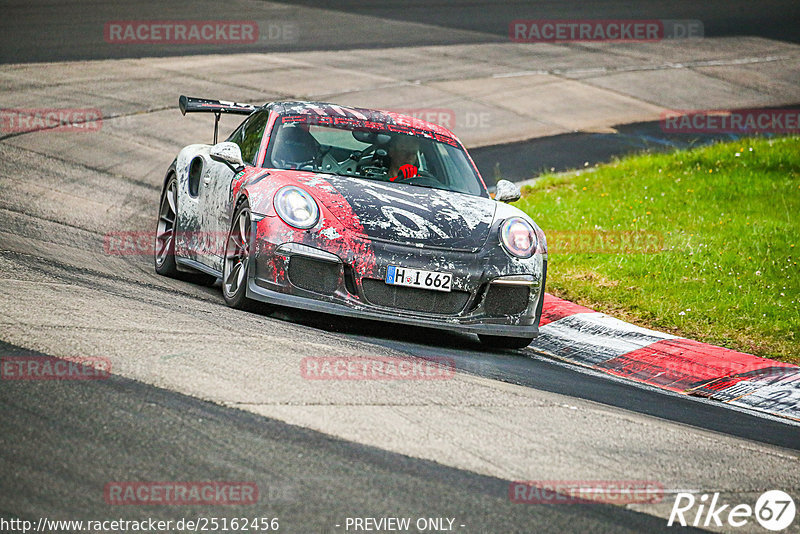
(403,276)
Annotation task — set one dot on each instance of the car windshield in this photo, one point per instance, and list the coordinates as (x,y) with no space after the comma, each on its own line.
(374,151)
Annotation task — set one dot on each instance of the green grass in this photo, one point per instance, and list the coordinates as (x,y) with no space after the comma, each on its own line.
(726,272)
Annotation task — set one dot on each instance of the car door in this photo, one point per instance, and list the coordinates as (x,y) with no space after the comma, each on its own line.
(215,188)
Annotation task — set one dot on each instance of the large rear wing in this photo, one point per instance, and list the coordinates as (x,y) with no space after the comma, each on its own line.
(188,104)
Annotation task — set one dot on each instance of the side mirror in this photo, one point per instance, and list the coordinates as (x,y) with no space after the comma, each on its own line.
(227,152)
(506,191)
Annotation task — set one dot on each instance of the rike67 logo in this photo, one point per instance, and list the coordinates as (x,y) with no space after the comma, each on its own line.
(774,510)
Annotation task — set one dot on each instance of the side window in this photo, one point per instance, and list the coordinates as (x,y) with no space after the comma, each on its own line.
(251,134)
(248,135)
(236,136)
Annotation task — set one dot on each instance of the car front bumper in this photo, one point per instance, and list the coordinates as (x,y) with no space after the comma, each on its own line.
(362,293)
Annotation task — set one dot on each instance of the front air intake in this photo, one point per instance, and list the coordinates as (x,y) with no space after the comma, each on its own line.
(314,275)
(503,300)
(380,293)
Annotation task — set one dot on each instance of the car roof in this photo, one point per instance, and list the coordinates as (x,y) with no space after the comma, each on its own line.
(327,109)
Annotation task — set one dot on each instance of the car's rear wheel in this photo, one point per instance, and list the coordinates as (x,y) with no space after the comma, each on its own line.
(237,258)
(505,342)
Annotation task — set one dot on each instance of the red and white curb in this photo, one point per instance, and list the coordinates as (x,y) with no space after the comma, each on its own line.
(581,335)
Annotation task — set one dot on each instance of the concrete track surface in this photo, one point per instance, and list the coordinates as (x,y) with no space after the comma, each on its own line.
(203,392)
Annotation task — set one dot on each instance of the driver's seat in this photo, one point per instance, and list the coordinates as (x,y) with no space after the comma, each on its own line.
(293,146)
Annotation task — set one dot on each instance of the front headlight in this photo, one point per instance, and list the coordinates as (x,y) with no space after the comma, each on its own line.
(296,207)
(518,237)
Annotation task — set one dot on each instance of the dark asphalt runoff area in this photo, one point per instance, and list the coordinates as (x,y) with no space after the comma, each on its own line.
(527,159)
(775,19)
(63,441)
(42,30)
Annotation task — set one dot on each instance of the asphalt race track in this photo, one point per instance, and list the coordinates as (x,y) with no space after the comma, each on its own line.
(201,392)
(306,478)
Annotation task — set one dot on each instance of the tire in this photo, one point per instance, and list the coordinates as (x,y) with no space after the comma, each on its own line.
(236,260)
(504,342)
(164,250)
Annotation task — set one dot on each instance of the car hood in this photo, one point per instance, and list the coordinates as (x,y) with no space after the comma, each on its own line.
(412,215)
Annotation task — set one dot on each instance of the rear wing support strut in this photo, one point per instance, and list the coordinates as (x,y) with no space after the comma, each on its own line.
(188,104)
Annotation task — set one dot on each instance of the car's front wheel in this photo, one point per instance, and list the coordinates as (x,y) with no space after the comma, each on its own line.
(165,231)
(237,259)
(505,342)
(164,255)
